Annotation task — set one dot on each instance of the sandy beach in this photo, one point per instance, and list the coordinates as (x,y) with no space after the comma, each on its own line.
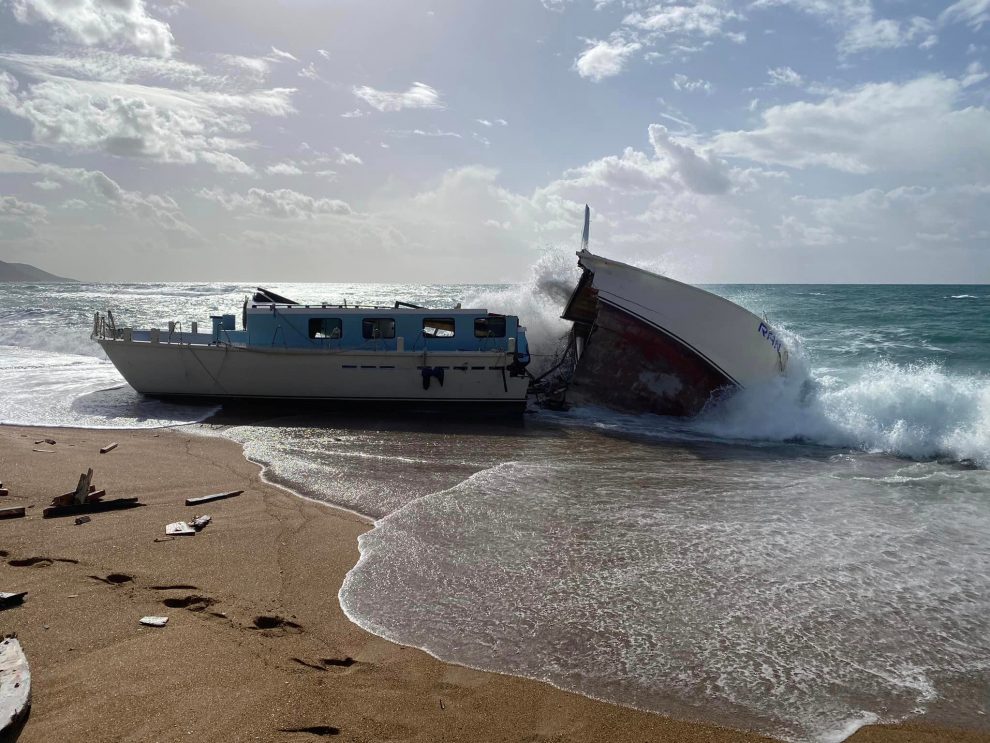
(257,647)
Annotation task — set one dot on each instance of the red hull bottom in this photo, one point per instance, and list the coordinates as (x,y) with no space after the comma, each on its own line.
(631,366)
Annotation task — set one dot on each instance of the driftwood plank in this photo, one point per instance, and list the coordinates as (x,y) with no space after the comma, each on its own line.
(200,521)
(154,621)
(97,507)
(15,687)
(12,513)
(108,447)
(215,496)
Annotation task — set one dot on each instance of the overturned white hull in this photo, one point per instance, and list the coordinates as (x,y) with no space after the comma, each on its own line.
(649,343)
(179,368)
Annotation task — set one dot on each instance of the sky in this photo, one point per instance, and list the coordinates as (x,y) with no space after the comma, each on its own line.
(797,141)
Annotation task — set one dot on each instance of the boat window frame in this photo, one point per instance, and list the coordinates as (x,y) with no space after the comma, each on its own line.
(438,331)
(487,319)
(376,323)
(313,336)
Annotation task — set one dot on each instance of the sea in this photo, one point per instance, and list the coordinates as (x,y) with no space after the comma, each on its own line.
(800,559)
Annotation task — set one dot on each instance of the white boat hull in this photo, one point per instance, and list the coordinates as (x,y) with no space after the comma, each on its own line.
(222,371)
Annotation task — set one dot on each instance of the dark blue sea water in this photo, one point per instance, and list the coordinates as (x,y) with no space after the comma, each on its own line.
(800,559)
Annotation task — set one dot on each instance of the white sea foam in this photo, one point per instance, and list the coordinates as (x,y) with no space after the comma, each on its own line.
(916,410)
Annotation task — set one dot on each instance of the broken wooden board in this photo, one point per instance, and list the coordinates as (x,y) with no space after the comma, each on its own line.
(15,687)
(108,447)
(96,507)
(11,599)
(16,512)
(50,442)
(200,521)
(82,489)
(179,529)
(154,621)
(215,496)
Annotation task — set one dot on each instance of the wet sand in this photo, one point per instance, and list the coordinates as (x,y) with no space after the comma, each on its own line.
(257,647)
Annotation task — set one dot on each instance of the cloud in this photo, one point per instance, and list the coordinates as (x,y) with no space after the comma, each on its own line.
(283,203)
(10,161)
(784,76)
(419,95)
(355,114)
(683,82)
(129,120)
(47,185)
(284,169)
(860,30)
(162,211)
(323,53)
(348,158)
(604,59)
(701,19)
(19,219)
(914,126)
(92,22)
(309,72)
(701,173)
(974,13)
(278,54)
(422,133)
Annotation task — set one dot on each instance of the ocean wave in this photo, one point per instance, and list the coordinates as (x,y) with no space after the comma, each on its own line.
(963,296)
(61,339)
(913,410)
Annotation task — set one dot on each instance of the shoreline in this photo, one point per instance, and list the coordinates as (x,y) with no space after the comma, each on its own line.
(212,672)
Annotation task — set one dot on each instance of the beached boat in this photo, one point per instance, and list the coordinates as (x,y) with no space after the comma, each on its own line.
(343,353)
(646,343)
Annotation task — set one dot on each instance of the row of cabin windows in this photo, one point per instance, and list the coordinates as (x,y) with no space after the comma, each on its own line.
(384,327)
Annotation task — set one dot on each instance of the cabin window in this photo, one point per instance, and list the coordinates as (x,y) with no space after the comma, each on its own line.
(492,326)
(438,327)
(321,328)
(378,327)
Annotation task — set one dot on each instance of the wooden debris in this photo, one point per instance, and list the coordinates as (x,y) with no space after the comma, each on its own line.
(163,539)
(44,451)
(16,512)
(200,521)
(215,496)
(83,520)
(15,688)
(95,507)
(86,499)
(3,491)
(179,529)
(154,621)
(50,442)
(108,447)
(11,599)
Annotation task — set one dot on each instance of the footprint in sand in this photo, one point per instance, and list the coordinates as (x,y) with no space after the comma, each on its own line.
(40,562)
(194,602)
(274,624)
(325,663)
(114,579)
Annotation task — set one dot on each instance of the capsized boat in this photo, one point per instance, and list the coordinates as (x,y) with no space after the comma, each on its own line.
(335,352)
(647,343)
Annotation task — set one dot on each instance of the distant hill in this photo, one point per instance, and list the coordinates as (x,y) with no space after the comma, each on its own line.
(24,272)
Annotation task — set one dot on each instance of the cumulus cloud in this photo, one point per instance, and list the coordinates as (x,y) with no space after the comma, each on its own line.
(284,169)
(282,203)
(604,59)
(914,126)
(701,173)
(159,210)
(419,95)
(92,22)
